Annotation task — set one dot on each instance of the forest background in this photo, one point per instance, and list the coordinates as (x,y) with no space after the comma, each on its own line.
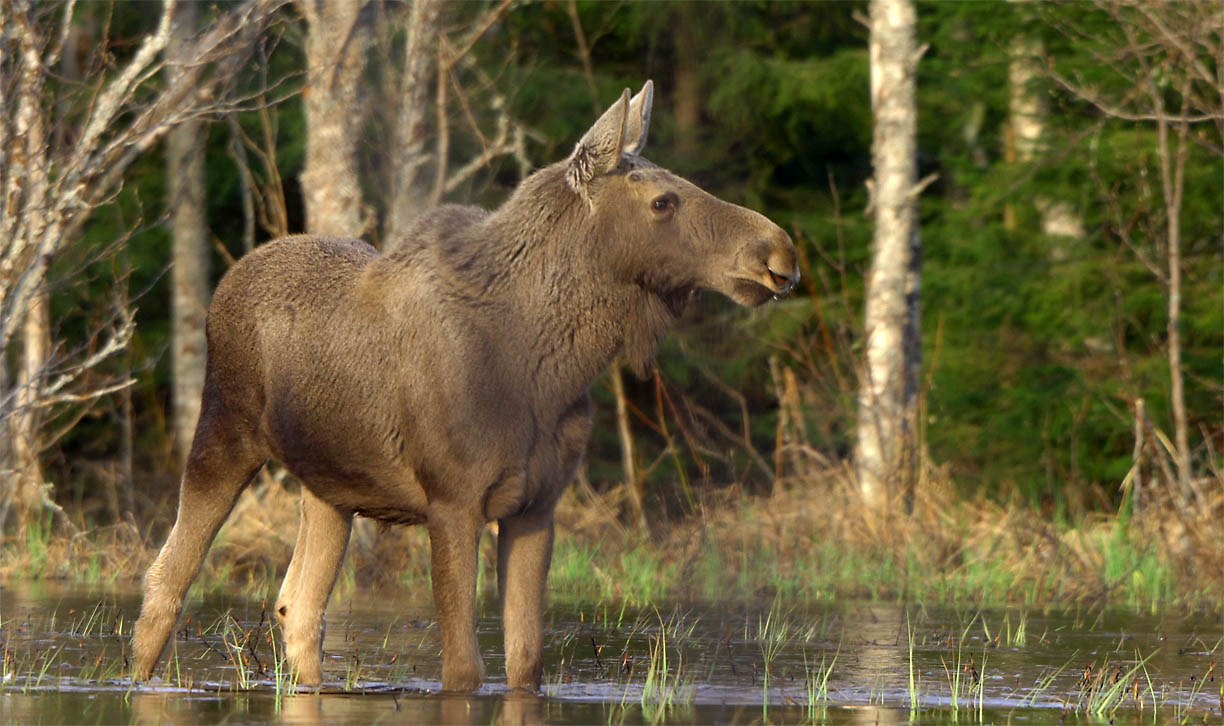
(1071,407)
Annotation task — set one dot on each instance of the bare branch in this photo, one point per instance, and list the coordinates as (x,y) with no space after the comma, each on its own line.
(1116,111)
(479,28)
(120,88)
(51,185)
(1179,42)
(84,397)
(442,153)
(117,342)
(509,135)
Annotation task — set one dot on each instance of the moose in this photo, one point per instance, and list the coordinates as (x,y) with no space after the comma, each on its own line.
(445,381)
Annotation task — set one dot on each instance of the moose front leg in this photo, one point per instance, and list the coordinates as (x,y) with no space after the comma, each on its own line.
(524,552)
(453,539)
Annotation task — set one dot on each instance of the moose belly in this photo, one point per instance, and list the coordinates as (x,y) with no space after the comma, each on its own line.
(345,465)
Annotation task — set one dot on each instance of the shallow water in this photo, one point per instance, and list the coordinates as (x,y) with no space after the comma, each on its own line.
(65,655)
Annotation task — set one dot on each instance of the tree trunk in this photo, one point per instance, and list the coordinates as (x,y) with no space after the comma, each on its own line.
(337,40)
(27,479)
(628,457)
(190,272)
(685,74)
(886,452)
(1029,115)
(410,185)
(6,442)
(1173,178)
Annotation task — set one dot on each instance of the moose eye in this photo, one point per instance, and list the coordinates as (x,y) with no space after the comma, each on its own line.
(661,204)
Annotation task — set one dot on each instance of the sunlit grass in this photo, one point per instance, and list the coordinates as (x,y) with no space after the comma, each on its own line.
(972,554)
(816,681)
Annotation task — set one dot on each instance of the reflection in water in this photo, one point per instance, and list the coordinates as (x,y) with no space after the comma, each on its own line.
(878,636)
(319,709)
(521,709)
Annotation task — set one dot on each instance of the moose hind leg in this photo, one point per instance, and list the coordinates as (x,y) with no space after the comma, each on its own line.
(322,540)
(453,548)
(219,467)
(524,552)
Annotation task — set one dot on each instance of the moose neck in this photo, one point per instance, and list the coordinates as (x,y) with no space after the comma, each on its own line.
(578,313)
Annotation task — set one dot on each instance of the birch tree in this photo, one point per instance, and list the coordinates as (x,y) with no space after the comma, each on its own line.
(410,179)
(28,489)
(1027,136)
(886,451)
(189,233)
(337,41)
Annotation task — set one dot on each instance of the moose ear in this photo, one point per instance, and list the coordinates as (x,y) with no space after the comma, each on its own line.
(639,119)
(601,147)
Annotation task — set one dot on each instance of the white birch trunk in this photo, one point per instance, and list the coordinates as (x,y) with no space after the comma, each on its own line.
(1029,116)
(27,218)
(338,38)
(886,448)
(189,228)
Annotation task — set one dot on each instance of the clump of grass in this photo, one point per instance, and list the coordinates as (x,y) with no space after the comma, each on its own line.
(772,635)
(30,668)
(236,640)
(352,671)
(1019,637)
(817,683)
(1103,689)
(1046,679)
(914,679)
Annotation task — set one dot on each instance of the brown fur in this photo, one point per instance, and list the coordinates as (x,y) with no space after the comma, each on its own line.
(445,382)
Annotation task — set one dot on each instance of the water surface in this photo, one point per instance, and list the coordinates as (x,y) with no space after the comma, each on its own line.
(65,652)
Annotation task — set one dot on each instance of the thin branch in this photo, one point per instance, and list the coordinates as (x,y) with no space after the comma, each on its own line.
(479,29)
(584,53)
(1173,39)
(120,88)
(442,153)
(1119,112)
(117,342)
(65,29)
(87,396)
(237,151)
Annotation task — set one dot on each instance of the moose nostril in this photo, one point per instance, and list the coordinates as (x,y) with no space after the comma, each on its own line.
(782,282)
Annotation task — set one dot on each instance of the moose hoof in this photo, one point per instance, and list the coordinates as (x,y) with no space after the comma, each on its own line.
(525,679)
(309,675)
(462,677)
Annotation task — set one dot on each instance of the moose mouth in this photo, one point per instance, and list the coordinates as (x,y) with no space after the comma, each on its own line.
(750,293)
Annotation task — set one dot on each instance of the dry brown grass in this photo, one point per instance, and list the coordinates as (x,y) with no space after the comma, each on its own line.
(948,547)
